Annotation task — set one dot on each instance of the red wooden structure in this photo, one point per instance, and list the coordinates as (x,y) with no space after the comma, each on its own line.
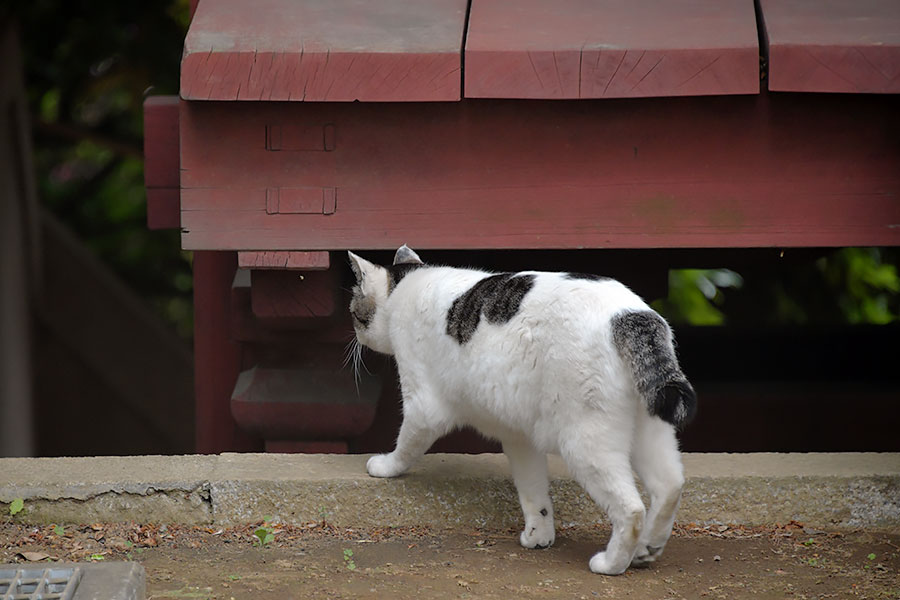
(323,125)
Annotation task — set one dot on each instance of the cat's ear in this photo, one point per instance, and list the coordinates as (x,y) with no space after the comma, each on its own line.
(405,256)
(361,267)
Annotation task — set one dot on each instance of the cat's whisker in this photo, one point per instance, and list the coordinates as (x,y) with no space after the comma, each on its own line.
(353,358)
(349,350)
(360,348)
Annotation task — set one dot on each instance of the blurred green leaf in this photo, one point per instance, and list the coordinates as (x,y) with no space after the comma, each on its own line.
(16,506)
(86,92)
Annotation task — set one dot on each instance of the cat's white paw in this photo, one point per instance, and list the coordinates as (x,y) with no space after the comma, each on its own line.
(602,565)
(646,555)
(383,465)
(539,536)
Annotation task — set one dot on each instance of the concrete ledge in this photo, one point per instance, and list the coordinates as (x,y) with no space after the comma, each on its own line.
(823,490)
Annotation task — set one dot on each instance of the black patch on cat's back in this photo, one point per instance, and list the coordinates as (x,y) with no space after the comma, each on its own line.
(586,276)
(398,272)
(497,297)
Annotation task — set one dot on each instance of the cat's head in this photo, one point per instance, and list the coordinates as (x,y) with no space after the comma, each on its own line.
(374,285)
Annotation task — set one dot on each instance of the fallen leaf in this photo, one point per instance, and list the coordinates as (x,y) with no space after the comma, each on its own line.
(16,506)
(35,556)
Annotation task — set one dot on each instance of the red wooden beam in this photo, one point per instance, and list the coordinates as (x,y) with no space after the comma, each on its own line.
(161,156)
(324,50)
(610,49)
(292,261)
(833,46)
(755,171)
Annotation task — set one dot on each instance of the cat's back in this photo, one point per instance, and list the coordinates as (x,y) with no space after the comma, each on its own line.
(581,294)
(459,301)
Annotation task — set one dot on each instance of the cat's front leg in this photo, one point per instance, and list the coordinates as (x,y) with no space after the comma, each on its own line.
(413,441)
(420,429)
(529,470)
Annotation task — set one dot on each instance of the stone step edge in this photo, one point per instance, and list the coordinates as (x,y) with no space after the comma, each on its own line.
(838,490)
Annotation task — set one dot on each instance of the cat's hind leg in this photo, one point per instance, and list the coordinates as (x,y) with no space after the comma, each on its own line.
(423,423)
(529,471)
(657,462)
(598,458)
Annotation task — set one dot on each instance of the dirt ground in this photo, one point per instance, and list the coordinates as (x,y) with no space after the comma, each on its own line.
(269,561)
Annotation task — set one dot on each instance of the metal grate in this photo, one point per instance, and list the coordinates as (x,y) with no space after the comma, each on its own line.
(39,584)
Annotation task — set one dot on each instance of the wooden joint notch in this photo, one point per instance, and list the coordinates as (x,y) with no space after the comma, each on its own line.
(301,200)
(311,138)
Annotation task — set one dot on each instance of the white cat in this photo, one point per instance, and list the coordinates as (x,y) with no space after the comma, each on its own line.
(543,362)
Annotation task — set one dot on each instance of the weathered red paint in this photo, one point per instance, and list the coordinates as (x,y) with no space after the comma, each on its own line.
(757,171)
(293,261)
(281,295)
(324,50)
(276,178)
(833,46)
(301,420)
(217,358)
(161,158)
(569,49)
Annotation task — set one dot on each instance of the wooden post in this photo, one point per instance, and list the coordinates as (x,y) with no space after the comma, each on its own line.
(217,357)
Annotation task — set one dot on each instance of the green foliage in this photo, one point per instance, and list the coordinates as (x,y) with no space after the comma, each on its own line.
(265,533)
(16,506)
(86,91)
(853,286)
(866,287)
(695,295)
(348,559)
(59,530)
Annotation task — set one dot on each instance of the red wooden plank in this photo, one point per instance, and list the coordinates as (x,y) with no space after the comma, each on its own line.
(298,261)
(610,49)
(324,50)
(751,171)
(161,156)
(833,45)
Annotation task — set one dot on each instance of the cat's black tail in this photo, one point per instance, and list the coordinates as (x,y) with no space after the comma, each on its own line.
(644,341)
